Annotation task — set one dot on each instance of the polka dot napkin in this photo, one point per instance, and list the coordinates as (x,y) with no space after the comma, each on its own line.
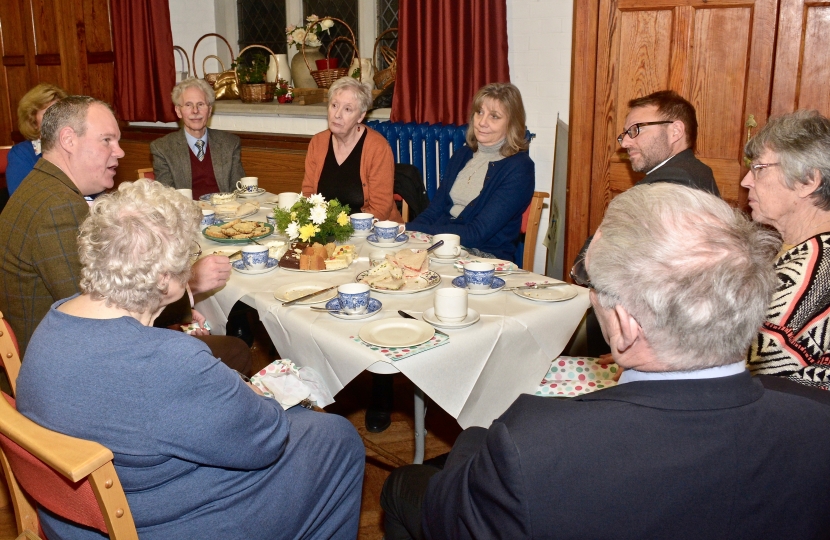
(570,376)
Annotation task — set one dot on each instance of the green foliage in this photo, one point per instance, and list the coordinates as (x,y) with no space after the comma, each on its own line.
(253,73)
(313,219)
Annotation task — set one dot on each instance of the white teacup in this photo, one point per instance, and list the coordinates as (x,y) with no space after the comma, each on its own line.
(451,304)
(451,247)
(208,217)
(376,257)
(354,298)
(187,193)
(387,231)
(286,200)
(248,184)
(255,257)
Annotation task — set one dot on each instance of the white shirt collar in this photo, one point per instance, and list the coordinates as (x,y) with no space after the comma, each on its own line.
(660,165)
(191,141)
(632,375)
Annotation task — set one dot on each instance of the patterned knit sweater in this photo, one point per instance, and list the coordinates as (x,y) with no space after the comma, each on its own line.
(794,342)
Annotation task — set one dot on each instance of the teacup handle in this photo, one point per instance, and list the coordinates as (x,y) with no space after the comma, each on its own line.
(456,251)
(239,185)
(401,229)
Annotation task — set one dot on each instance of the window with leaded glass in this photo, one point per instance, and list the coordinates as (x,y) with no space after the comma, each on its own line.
(346,11)
(387,19)
(262,22)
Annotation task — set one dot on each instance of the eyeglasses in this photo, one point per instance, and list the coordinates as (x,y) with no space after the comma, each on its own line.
(195,251)
(756,168)
(634,130)
(194,106)
(580,274)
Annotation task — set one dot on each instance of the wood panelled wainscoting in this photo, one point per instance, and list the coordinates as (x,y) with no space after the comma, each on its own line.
(278,160)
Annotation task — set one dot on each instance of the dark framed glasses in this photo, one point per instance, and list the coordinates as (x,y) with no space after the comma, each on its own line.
(634,130)
(579,274)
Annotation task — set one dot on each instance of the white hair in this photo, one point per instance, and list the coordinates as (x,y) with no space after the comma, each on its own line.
(696,274)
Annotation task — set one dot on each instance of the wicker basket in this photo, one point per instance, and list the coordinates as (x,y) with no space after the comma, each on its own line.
(384,77)
(210,77)
(325,77)
(257,92)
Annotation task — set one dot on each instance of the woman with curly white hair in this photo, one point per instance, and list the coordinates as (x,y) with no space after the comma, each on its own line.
(199,452)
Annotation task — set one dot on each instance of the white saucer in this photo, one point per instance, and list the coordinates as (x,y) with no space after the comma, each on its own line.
(296,290)
(400,240)
(270,266)
(461,283)
(374,307)
(471,318)
(448,260)
(249,194)
(552,294)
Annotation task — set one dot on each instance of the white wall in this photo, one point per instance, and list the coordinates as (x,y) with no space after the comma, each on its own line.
(539,39)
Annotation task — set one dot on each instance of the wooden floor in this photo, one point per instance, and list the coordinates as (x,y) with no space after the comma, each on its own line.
(352,401)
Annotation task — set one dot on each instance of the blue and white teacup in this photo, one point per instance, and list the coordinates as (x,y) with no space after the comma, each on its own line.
(354,298)
(208,217)
(248,184)
(362,223)
(387,231)
(255,257)
(479,275)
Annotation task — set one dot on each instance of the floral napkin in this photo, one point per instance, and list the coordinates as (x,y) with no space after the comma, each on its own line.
(399,353)
(501,266)
(419,236)
(570,376)
(290,385)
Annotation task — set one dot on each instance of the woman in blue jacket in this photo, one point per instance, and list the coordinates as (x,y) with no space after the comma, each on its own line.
(489,182)
(24,155)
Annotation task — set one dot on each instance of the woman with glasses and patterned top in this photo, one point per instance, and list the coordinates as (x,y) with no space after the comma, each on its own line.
(199,452)
(349,161)
(789,189)
(489,182)
(24,155)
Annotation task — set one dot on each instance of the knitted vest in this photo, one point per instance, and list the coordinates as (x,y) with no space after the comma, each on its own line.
(204,180)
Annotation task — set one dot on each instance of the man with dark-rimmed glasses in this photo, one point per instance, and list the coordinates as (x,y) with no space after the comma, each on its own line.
(659,136)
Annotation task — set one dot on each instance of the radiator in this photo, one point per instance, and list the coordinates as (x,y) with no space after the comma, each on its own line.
(427,146)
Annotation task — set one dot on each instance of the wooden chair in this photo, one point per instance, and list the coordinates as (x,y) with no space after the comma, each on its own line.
(71,477)
(530,228)
(146,173)
(9,353)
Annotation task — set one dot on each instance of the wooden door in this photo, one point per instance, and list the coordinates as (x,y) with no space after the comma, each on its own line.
(717,54)
(802,58)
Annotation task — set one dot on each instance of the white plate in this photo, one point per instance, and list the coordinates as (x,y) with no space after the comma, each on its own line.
(552,294)
(296,290)
(426,281)
(374,307)
(445,260)
(400,240)
(247,195)
(270,266)
(231,217)
(471,318)
(396,332)
(315,271)
(461,283)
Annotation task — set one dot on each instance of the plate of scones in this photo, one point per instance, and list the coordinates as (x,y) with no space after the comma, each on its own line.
(237,231)
(316,257)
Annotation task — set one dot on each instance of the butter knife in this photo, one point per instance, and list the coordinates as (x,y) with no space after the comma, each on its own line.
(307,296)
(406,315)
(539,286)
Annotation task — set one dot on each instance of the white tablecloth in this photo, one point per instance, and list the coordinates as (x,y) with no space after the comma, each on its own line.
(474,378)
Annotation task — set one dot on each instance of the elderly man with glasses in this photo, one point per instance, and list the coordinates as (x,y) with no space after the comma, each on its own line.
(660,135)
(687,445)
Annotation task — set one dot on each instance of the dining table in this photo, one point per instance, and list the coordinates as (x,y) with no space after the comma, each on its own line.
(474,375)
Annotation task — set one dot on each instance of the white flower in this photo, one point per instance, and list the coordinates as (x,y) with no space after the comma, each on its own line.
(317,199)
(312,41)
(328,23)
(299,35)
(318,215)
(312,18)
(293,230)
(290,28)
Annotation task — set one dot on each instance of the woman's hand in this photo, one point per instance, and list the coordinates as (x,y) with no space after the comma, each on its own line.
(200,320)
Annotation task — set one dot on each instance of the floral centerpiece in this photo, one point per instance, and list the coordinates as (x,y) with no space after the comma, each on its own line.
(314,219)
(296,35)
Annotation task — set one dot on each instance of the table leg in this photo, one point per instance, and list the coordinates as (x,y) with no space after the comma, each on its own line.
(420,431)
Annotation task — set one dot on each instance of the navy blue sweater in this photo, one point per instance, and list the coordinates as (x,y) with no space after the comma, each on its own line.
(492,221)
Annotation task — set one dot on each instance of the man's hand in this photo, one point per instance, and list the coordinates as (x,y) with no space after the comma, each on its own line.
(209,273)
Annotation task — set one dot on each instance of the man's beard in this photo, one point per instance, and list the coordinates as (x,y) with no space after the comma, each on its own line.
(654,155)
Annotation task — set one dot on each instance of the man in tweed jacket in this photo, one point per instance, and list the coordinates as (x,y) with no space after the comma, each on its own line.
(195,157)
(39,225)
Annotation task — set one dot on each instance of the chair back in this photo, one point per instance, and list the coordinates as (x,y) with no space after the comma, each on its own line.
(410,190)
(530,228)
(149,174)
(4,162)
(70,477)
(9,353)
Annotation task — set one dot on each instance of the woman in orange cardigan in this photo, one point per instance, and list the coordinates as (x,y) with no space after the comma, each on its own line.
(349,161)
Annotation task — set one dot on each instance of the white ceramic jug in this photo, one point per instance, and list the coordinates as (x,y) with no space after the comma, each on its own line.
(278,68)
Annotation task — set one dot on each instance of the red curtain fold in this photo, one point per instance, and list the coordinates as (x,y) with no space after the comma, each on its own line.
(144,63)
(446,52)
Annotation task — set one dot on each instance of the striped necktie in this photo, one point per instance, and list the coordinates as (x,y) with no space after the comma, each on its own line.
(200,145)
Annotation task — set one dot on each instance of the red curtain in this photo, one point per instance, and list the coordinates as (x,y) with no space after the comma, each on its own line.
(447,50)
(144,63)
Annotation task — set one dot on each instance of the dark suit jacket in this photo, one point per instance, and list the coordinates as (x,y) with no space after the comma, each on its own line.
(684,169)
(715,458)
(171,159)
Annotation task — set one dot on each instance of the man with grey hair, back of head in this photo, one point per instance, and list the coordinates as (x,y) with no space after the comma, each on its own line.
(687,445)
